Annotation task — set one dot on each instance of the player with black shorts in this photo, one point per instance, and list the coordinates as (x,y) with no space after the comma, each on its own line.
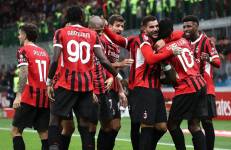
(75,45)
(207,58)
(109,129)
(190,88)
(31,103)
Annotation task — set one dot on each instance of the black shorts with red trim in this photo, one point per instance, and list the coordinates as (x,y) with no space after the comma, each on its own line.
(147,106)
(189,106)
(31,117)
(80,102)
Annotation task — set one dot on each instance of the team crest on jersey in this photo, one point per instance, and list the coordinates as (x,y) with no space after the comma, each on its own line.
(22,58)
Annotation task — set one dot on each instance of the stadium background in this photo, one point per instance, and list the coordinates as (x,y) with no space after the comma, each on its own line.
(215,20)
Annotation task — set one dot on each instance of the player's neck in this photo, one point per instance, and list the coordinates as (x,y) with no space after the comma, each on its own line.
(26,42)
(196,36)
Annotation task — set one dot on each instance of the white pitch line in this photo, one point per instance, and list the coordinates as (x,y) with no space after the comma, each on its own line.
(118,139)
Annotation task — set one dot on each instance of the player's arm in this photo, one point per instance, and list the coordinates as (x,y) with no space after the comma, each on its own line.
(54,63)
(176,35)
(105,62)
(122,96)
(123,63)
(117,39)
(152,58)
(23,75)
(211,55)
(169,76)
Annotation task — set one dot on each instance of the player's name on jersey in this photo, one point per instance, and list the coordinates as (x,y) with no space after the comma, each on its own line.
(76,33)
(177,44)
(39,53)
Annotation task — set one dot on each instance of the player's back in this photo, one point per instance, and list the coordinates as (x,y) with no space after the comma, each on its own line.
(38,61)
(77,45)
(187,72)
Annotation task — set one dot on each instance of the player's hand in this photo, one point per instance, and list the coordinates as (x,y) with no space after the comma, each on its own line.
(50,93)
(17,101)
(123,99)
(126,62)
(159,44)
(95,99)
(108,83)
(177,50)
(204,56)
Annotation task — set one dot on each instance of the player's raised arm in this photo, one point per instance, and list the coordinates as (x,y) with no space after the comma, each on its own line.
(152,58)
(116,38)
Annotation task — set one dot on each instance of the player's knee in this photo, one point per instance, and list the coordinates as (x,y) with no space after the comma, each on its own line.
(171,126)
(161,127)
(16,132)
(193,128)
(115,125)
(43,134)
(54,120)
(68,127)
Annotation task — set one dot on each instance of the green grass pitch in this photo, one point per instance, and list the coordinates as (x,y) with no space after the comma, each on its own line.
(122,143)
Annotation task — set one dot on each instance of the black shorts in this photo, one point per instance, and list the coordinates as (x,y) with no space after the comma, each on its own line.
(189,106)
(130,101)
(211,102)
(114,101)
(105,107)
(31,117)
(69,117)
(147,106)
(80,102)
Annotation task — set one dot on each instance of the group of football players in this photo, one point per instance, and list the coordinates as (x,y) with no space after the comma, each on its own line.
(82,78)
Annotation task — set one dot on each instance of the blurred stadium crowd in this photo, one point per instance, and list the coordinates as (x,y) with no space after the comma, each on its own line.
(47,14)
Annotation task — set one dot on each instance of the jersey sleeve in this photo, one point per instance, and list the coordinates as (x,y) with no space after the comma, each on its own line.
(213,54)
(22,58)
(98,42)
(117,39)
(150,56)
(57,39)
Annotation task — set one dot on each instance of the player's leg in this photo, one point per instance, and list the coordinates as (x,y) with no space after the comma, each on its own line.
(197,134)
(105,116)
(24,116)
(207,122)
(135,125)
(153,122)
(41,123)
(61,107)
(161,118)
(176,133)
(207,125)
(87,117)
(68,128)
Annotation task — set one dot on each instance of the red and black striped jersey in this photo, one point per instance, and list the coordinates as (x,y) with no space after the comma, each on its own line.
(145,75)
(37,60)
(203,44)
(77,44)
(99,77)
(112,52)
(188,77)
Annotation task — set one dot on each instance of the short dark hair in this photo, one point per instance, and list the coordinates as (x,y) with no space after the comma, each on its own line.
(31,31)
(165,28)
(113,18)
(148,19)
(191,18)
(74,14)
